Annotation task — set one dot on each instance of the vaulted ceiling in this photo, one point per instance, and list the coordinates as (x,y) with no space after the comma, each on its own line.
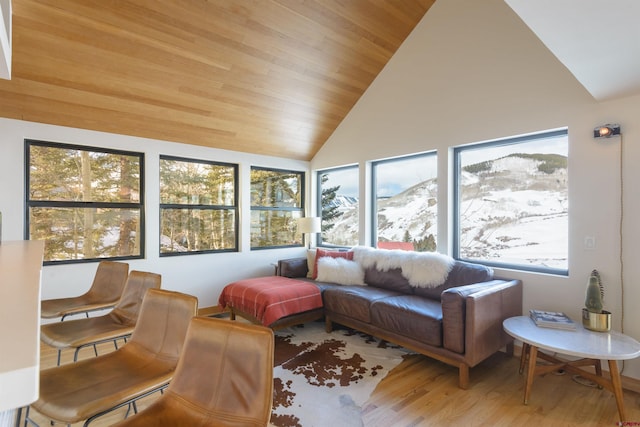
(597,41)
(272,77)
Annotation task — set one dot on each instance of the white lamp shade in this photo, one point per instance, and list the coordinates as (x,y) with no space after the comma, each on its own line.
(309,225)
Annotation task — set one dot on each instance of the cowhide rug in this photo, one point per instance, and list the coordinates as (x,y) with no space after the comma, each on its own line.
(323,379)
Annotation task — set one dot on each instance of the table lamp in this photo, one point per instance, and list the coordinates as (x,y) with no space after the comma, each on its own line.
(309,225)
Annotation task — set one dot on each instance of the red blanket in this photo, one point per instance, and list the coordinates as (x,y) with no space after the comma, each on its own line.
(271,298)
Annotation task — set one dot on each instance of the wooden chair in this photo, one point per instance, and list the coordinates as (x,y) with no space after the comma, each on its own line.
(145,364)
(119,323)
(105,292)
(224,378)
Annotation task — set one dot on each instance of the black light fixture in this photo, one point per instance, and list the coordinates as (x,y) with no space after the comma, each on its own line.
(606,131)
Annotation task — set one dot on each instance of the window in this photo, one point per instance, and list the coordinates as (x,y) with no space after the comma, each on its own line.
(511,202)
(277,200)
(85,203)
(338,206)
(198,206)
(405,202)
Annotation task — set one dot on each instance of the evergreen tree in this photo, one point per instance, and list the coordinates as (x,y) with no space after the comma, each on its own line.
(194,187)
(426,244)
(80,177)
(330,212)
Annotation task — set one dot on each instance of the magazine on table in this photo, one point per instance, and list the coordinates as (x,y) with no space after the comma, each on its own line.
(552,319)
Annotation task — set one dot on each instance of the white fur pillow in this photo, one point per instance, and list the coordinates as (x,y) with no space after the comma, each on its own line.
(339,270)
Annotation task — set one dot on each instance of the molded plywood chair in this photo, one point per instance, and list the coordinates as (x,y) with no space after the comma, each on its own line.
(105,292)
(118,323)
(145,364)
(224,378)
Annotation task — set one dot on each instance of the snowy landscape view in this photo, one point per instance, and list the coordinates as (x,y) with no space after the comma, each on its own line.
(513,210)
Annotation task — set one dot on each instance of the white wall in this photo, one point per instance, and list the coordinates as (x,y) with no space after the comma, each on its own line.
(201,275)
(472,71)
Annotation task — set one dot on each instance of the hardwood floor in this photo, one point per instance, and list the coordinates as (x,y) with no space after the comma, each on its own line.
(424,392)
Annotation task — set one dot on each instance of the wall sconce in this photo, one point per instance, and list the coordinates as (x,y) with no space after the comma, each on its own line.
(606,131)
(309,225)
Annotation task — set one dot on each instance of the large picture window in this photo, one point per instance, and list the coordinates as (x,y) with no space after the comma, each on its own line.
(511,202)
(198,206)
(85,203)
(277,201)
(405,202)
(338,206)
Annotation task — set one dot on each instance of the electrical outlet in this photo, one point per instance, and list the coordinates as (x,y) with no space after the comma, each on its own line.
(590,243)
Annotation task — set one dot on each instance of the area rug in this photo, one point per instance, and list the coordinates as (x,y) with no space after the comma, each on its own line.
(323,379)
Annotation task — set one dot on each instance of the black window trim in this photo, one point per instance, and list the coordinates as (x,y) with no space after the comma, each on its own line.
(301,209)
(456,200)
(77,204)
(188,206)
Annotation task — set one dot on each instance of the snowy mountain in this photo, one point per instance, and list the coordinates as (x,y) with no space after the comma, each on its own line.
(344,203)
(513,209)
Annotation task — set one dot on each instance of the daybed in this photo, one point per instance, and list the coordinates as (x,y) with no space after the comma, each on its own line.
(446,309)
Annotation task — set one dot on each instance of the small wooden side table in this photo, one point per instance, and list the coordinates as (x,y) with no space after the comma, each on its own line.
(589,346)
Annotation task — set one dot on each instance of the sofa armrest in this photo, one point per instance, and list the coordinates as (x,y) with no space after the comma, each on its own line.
(292,267)
(472,317)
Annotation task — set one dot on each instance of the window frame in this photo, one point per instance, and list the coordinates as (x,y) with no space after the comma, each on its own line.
(200,207)
(374,185)
(319,173)
(457,168)
(28,203)
(301,209)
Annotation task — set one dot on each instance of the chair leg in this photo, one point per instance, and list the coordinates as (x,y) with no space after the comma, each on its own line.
(18,416)
(132,405)
(28,420)
(75,355)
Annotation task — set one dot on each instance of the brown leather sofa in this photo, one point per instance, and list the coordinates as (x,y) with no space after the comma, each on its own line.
(458,322)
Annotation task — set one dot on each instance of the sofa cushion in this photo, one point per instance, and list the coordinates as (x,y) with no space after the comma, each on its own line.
(340,271)
(411,316)
(311,263)
(334,254)
(391,279)
(293,267)
(353,301)
(462,273)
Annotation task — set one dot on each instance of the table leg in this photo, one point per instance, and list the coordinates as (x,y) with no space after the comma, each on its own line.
(617,388)
(523,357)
(531,372)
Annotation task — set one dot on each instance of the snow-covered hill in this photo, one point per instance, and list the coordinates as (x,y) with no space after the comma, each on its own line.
(513,209)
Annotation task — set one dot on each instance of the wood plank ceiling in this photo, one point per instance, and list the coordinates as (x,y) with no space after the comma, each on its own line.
(272,77)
